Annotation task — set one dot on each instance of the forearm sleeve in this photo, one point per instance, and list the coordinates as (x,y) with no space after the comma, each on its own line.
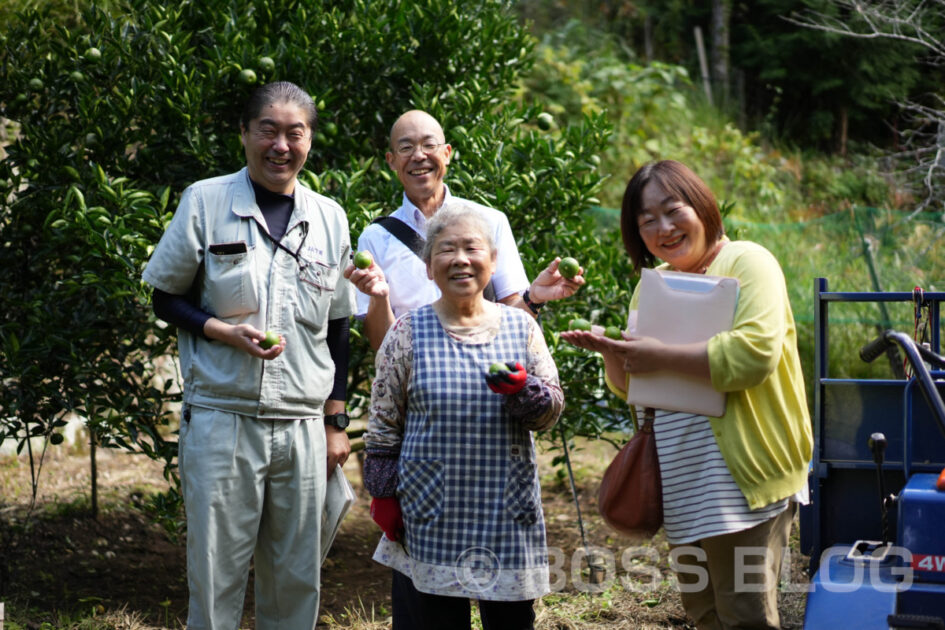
(380,472)
(337,339)
(178,311)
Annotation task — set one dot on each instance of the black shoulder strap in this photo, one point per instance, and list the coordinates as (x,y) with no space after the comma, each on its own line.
(403,232)
(406,235)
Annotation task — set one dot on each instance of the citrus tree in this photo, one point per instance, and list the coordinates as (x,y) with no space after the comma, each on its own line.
(117,106)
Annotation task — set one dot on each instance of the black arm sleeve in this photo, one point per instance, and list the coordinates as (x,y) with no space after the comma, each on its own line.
(338,347)
(178,311)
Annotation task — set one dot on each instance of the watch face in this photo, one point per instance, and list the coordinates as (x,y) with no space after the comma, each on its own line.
(339,420)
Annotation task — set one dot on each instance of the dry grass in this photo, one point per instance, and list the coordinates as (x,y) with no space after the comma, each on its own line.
(638,592)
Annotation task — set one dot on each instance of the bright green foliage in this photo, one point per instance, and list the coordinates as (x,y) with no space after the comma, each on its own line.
(99,163)
(651,108)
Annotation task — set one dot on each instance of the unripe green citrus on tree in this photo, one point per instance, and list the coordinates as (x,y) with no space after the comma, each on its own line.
(266,64)
(545,121)
(93,54)
(248,76)
(36,84)
(77,76)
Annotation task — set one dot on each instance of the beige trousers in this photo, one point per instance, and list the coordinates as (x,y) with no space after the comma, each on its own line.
(730,582)
(253,490)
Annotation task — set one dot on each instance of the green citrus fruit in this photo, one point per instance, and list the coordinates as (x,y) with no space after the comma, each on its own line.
(56,438)
(330,128)
(271,339)
(93,54)
(248,76)
(497,367)
(579,323)
(545,121)
(568,267)
(363,259)
(36,84)
(612,332)
(77,76)
(91,138)
(266,64)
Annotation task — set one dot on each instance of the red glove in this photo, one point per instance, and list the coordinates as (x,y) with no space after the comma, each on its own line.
(507,382)
(386,513)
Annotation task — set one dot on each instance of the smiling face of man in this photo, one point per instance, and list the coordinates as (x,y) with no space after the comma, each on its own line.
(277,143)
(420,156)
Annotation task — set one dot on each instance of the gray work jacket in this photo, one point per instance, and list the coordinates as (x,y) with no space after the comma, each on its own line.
(265,286)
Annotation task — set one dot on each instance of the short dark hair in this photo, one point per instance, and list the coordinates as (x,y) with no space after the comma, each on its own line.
(678,180)
(279,92)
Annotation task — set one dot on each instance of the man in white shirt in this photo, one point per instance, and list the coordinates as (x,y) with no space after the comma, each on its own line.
(397,281)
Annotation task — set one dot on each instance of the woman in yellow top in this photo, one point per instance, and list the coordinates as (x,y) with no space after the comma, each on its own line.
(730,484)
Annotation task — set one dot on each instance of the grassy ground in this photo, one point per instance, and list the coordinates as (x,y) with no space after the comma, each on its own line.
(61,569)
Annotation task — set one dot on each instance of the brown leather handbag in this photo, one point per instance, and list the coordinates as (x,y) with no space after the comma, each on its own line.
(631,495)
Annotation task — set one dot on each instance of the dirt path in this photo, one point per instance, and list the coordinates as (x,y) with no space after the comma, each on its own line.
(123,562)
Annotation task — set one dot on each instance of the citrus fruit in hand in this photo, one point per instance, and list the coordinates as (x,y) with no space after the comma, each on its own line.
(612,332)
(271,339)
(363,259)
(568,267)
(579,323)
(497,367)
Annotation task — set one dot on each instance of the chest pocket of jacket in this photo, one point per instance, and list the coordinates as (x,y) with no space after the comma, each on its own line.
(316,288)
(230,284)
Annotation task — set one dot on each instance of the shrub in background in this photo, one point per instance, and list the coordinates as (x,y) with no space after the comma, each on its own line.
(119,108)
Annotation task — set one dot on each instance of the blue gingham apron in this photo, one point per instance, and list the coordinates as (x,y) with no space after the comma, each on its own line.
(467,473)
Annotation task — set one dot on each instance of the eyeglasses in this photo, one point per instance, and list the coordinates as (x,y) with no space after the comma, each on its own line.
(426,148)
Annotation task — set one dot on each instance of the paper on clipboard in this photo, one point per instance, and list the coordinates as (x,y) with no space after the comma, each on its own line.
(339,497)
(677,307)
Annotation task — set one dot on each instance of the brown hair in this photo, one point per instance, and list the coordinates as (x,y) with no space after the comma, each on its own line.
(678,180)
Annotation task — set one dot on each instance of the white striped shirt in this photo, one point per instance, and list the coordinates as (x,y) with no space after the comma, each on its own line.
(700,496)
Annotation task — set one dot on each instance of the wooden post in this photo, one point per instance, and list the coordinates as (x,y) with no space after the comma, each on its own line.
(1,615)
(703,65)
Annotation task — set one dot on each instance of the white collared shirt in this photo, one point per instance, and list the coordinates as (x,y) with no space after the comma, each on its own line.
(407,275)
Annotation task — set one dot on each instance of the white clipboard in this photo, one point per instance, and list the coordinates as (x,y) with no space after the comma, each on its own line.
(677,307)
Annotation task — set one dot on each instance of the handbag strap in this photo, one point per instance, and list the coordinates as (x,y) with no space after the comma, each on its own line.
(649,416)
(403,233)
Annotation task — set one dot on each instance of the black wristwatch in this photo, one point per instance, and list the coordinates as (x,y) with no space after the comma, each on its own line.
(533,306)
(340,420)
